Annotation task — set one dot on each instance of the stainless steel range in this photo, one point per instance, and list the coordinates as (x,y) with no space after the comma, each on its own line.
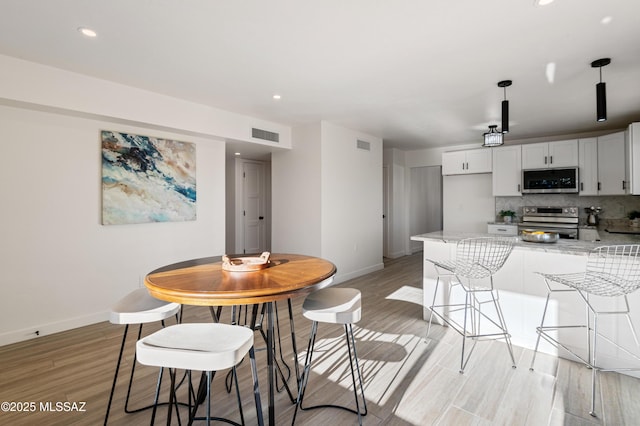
(563,220)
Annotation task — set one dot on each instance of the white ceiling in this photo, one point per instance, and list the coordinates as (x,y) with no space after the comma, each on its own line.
(418,73)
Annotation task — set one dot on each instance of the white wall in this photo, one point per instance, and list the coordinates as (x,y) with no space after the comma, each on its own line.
(327,198)
(467,202)
(351,201)
(296,181)
(60,267)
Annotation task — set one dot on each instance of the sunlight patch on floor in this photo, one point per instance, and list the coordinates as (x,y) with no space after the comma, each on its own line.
(407,294)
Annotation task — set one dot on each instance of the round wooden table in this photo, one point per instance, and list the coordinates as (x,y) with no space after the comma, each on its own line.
(203,282)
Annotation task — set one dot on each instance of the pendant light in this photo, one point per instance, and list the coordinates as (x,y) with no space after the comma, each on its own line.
(505,105)
(601,90)
(493,137)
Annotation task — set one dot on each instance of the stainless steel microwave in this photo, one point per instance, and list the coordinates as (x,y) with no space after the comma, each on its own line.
(550,181)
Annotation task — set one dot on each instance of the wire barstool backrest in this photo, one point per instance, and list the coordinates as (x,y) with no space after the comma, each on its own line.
(481,257)
(613,270)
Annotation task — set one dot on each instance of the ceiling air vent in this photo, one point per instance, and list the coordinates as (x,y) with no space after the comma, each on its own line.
(265,135)
(364,145)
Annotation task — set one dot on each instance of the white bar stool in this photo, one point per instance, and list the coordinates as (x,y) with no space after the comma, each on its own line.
(137,307)
(612,271)
(204,347)
(333,306)
(477,260)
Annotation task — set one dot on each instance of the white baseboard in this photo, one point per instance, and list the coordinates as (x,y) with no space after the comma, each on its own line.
(346,277)
(36,331)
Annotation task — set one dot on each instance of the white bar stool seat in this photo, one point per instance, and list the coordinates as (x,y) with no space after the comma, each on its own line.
(333,306)
(137,307)
(204,347)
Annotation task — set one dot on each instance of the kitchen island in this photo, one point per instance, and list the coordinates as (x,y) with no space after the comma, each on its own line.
(523,292)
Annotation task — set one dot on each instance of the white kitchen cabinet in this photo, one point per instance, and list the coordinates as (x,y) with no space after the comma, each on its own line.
(507,170)
(632,145)
(611,165)
(502,229)
(466,162)
(602,165)
(550,154)
(588,166)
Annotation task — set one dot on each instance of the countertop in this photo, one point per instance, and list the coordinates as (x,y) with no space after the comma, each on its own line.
(579,247)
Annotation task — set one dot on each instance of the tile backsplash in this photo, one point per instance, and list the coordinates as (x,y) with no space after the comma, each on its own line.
(613,207)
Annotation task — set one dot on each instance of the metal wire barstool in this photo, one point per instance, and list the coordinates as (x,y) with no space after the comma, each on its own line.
(611,271)
(477,260)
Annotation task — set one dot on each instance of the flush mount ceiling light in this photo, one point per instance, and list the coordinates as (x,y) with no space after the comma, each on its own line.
(493,137)
(277,97)
(601,90)
(505,106)
(87,32)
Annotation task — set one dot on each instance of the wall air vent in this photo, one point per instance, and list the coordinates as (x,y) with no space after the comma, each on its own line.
(364,145)
(265,135)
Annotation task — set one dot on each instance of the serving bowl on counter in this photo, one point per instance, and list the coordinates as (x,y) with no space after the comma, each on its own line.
(539,236)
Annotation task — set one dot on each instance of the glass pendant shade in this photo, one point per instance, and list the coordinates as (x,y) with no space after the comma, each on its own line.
(492,137)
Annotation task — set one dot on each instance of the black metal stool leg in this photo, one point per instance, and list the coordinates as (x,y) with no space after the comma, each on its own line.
(115,376)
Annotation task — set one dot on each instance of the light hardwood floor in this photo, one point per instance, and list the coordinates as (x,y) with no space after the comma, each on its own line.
(408,380)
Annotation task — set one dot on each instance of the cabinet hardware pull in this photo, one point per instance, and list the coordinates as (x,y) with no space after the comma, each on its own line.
(551,159)
(581,186)
(462,166)
(624,185)
(545,159)
(599,186)
(518,187)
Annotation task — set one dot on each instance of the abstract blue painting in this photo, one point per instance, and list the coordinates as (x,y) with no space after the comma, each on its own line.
(146,179)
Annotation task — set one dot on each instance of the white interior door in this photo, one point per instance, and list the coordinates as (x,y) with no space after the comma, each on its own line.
(254,210)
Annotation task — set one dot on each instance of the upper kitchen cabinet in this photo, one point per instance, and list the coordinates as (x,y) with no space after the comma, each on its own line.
(602,165)
(612,179)
(466,162)
(507,171)
(633,158)
(550,154)
(588,166)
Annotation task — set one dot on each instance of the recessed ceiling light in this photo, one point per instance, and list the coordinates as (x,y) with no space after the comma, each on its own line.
(237,153)
(606,20)
(87,32)
(277,97)
(542,2)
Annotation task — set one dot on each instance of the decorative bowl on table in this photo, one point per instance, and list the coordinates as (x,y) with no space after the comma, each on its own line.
(539,236)
(245,264)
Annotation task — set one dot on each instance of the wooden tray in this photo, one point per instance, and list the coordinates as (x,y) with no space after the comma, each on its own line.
(245,264)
